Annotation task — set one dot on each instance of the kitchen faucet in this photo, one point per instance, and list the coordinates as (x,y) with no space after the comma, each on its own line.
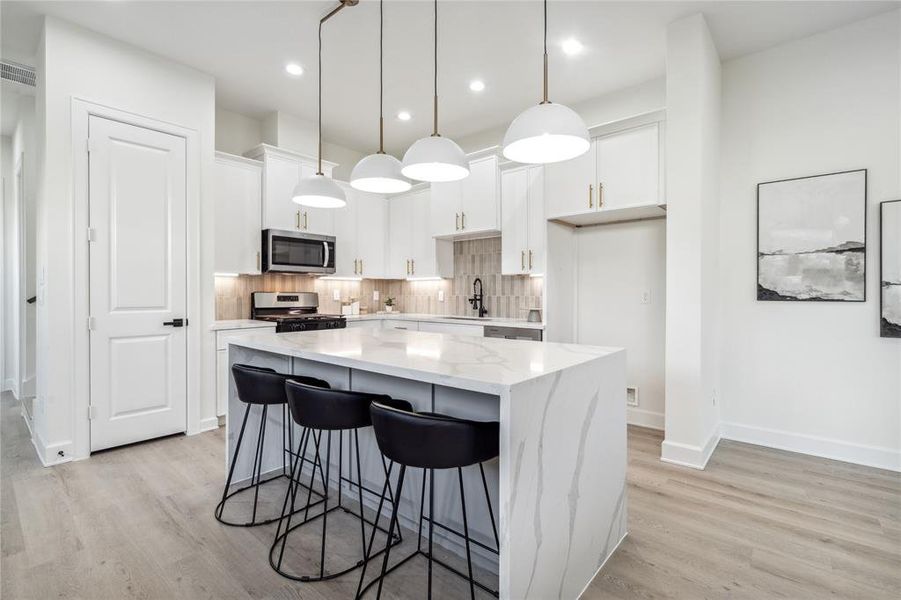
(476,300)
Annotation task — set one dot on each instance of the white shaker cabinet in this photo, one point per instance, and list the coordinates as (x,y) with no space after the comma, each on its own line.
(237,190)
(619,178)
(282,170)
(467,207)
(360,234)
(524,228)
(411,249)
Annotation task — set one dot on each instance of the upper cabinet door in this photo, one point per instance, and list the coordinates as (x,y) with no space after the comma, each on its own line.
(316,220)
(515,217)
(280,177)
(346,235)
(629,168)
(423,249)
(444,208)
(479,209)
(400,244)
(537,223)
(571,186)
(238,192)
(372,235)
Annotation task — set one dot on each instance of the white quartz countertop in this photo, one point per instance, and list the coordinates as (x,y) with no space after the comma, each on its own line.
(240,324)
(488,365)
(446,319)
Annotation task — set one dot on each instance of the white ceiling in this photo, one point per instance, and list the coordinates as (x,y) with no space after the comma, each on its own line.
(245,45)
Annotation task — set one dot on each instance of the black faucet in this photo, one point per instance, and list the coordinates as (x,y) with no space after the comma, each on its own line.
(476,299)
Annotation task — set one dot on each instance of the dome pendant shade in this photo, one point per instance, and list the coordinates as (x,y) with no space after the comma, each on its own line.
(379,173)
(546,133)
(319,191)
(435,159)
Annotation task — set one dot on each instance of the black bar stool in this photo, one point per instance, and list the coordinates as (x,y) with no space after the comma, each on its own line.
(325,410)
(432,441)
(264,387)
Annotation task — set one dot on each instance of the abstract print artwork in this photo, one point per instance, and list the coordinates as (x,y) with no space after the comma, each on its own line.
(811,238)
(890,269)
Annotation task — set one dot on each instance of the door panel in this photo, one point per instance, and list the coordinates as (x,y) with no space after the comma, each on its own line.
(138,260)
(372,235)
(346,252)
(628,167)
(571,186)
(480,196)
(400,242)
(537,225)
(444,207)
(514,214)
(280,179)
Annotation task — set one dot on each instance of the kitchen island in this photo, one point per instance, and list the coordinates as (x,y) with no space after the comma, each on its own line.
(558,486)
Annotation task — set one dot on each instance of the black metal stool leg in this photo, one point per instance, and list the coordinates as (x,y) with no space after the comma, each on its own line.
(400,489)
(360,490)
(292,492)
(378,514)
(328,467)
(472,587)
(431,522)
(231,469)
(261,447)
(490,510)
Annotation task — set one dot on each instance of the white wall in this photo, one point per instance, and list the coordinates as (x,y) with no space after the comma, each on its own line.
(76,63)
(24,156)
(237,133)
(616,265)
(812,377)
(7,262)
(300,135)
(692,139)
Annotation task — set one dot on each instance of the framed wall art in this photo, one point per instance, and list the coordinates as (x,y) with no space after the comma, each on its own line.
(890,269)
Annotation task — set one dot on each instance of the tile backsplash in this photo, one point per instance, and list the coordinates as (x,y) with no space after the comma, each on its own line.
(505,295)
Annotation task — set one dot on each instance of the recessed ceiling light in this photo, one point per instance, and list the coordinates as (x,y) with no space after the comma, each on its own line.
(571,46)
(404,115)
(294,69)
(476,85)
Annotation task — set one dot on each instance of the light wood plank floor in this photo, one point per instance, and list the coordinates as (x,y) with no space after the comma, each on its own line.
(137,523)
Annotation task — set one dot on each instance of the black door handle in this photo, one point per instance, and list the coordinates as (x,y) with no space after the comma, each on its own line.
(176,323)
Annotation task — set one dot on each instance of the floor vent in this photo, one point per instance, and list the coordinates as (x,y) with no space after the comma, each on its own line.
(17,73)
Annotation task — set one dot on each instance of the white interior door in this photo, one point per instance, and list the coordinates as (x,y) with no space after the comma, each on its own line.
(137,283)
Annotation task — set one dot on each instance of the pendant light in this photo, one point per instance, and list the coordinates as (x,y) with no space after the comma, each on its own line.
(380,173)
(546,133)
(435,158)
(319,191)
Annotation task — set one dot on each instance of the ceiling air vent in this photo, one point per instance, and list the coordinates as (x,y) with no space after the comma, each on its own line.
(17,73)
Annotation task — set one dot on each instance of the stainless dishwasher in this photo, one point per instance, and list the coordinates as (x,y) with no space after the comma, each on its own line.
(513,333)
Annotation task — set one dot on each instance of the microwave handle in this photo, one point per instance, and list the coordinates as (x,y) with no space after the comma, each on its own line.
(325,264)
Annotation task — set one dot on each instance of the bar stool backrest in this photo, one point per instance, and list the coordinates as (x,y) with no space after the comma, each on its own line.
(328,409)
(261,385)
(433,441)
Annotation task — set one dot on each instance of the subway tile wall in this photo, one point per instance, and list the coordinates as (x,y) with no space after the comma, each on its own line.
(505,296)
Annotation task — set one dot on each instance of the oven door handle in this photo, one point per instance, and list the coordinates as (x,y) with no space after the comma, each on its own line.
(325,264)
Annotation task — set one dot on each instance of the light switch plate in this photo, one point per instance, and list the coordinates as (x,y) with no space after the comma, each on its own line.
(336,295)
(440,295)
(375,295)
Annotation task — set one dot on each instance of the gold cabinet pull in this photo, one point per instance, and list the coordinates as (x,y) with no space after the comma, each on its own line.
(305,223)
(457,221)
(522,260)
(355,267)
(361,266)
(530,260)
(600,195)
(258,261)
(412,266)
(297,220)
(462,220)
(590,195)
(408,266)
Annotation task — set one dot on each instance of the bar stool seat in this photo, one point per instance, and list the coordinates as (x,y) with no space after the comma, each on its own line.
(319,411)
(433,441)
(263,387)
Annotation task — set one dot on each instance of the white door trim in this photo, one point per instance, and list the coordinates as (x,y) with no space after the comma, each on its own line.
(82,110)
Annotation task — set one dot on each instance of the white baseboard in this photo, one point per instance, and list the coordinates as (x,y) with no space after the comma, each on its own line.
(870,456)
(644,418)
(209,424)
(48,454)
(687,455)
(10,386)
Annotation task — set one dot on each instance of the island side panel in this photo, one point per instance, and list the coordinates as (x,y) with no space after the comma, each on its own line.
(562,478)
(272,454)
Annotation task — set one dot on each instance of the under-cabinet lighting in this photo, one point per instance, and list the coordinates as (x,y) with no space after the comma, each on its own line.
(533,275)
(339,278)
(226,274)
(424,278)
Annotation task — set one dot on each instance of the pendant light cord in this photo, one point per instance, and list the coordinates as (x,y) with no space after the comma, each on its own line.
(545,100)
(435,101)
(381,78)
(331,14)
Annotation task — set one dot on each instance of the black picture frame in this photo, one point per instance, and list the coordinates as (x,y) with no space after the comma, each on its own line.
(886,328)
(764,297)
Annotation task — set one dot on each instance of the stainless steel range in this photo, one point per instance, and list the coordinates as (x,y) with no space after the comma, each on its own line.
(292,311)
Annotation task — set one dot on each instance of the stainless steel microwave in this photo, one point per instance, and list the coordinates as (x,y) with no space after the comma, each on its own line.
(294,252)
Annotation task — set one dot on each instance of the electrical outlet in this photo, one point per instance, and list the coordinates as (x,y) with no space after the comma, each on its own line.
(646,297)
(336,295)
(375,295)
(632,396)
(440,295)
